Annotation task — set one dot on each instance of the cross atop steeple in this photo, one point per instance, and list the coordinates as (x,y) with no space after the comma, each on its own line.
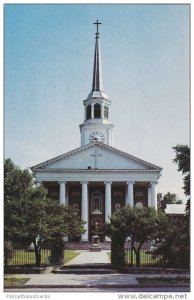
(97,73)
(97,23)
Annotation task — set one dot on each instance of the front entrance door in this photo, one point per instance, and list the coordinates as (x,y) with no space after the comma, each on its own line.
(96,212)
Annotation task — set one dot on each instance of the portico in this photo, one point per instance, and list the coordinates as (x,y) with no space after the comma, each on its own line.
(97,192)
(130,197)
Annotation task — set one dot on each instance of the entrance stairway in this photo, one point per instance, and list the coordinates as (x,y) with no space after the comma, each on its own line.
(88,262)
(86,269)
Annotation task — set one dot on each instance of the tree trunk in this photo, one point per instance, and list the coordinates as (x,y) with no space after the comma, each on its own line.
(137,252)
(6,258)
(57,252)
(61,252)
(138,259)
(131,257)
(37,254)
(118,253)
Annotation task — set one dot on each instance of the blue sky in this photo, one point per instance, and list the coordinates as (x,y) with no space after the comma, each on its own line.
(48,73)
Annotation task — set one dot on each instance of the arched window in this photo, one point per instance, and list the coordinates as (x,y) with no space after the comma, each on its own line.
(97,110)
(96,204)
(88,112)
(106,111)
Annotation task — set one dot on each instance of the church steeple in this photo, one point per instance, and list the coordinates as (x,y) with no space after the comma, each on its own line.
(97,125)
(97,84)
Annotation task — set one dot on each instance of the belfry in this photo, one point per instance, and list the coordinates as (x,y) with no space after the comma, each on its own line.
(97,178)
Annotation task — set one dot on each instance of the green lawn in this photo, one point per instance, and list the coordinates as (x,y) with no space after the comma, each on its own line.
(70,254)
(28,257)
(14,280)
(145,258)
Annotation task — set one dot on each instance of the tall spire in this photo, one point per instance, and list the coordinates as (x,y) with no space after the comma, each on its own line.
(97,71)
(97,106)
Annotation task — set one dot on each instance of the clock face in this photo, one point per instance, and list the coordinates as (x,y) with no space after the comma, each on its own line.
(96,136)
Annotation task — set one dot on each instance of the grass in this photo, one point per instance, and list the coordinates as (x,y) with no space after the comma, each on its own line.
(165,281)
(28,257)
(14,280)
(22,257)
(145,258)
(70,254)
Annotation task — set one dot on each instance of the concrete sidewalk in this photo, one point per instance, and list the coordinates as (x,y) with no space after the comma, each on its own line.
(80,280)
(76,280)
(88,257)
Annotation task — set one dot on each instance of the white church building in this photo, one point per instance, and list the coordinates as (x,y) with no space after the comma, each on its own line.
(96,177)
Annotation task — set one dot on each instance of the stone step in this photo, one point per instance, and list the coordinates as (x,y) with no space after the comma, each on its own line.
(86,269)
(88,266)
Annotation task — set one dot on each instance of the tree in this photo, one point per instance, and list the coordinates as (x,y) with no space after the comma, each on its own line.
(31,217)
(148,224)
(159,201)
(182,159)
(18,186)
(117,230)
(175,247)
(168,198)
(140,224)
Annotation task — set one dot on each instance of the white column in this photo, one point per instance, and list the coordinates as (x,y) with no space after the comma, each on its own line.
(107,200)
(107,204)
(130,198)
(126,195)
(149,196)
(67,196)
(62,193)
(82,135)
(110,137)
(84,210)
(92,112)
(154,195)
(109,112)
(102,111)
(85,112)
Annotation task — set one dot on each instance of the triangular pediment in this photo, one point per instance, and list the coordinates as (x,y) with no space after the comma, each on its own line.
(96,156)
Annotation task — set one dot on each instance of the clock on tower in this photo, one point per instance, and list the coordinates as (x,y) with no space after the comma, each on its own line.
(96,136)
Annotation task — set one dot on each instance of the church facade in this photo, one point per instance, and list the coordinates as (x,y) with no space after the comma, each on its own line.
(97,178)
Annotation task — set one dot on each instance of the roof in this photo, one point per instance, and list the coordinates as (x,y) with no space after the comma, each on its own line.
(175,209)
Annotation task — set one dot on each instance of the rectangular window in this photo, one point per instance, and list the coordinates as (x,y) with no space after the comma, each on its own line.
(117,194)
(139,194)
